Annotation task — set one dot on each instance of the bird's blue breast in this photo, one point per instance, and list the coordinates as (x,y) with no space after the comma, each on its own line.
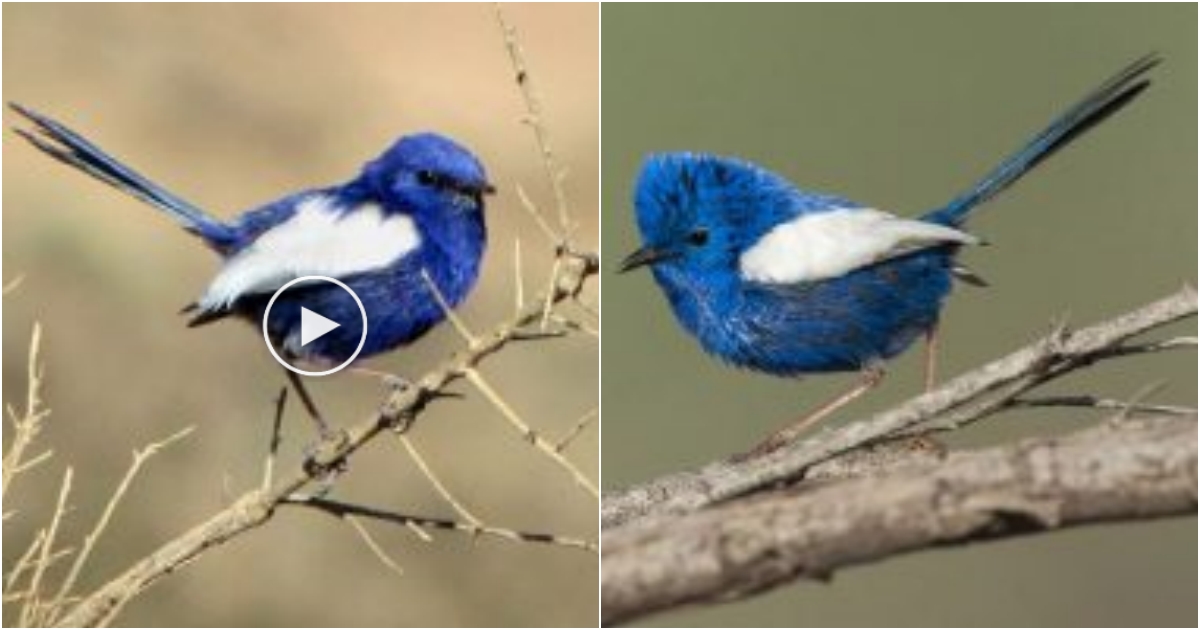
(842,324)
(399,302)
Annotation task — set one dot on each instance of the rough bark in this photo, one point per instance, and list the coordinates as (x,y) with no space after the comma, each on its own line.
(857,493)
(1130,469)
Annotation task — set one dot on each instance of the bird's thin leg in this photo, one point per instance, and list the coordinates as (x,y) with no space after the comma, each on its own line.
(925,442)
(869,378)
(322,427)
(325,475)
(931,349)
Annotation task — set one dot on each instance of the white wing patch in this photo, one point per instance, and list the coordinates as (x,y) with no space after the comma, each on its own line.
(318,240)
(830,244)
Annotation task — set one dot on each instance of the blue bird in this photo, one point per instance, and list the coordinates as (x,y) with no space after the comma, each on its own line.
(788,282)
(412,219)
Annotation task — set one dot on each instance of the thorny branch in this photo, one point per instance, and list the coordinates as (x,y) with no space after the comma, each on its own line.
(27,583)
(256,507)
(535,119)
(342,509)
(732,527)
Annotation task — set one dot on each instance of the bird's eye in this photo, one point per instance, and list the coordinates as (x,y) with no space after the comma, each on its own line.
(698,237)
(426,178)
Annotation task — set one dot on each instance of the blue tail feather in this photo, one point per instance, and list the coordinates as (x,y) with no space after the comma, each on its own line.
(1104,101)
(66,146)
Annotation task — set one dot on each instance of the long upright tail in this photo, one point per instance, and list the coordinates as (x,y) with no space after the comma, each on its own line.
(1098,105)
(70,148)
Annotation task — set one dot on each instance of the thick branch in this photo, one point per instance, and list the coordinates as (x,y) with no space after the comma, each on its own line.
(1121,470)
(257,507)
(971,396)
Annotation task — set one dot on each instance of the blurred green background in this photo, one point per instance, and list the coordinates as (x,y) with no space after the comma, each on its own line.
(900,107)
(232,106)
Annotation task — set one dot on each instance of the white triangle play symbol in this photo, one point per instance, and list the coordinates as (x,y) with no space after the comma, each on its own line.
(312,326)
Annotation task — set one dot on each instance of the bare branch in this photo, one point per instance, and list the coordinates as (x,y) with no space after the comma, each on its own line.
(528,434)
(574,431)
(24,562)
(857,494)
(534,117)
(437,484)
(256,507)
(28,424)
(89,542)
(342,509)
(518,277)
(1104,404)
(33,610)
(1133,469)
(538,217)
(375,547)
(12,285)
(971,396)
(451,315)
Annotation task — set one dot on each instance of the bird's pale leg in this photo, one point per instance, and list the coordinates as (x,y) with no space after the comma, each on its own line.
(869,378)
(925,442)
(931,349)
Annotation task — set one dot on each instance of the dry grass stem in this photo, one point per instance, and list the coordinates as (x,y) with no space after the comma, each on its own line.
(436,482)
(577,429)
(375,547)
(527,432)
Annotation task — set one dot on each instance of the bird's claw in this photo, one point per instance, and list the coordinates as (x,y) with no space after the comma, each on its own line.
(397,383)
(323,459)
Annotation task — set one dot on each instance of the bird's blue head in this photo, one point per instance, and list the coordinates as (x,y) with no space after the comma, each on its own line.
(428,173)
(697,213)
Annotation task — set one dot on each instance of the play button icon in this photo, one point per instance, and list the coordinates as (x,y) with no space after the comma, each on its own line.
(313,326)
(313,319)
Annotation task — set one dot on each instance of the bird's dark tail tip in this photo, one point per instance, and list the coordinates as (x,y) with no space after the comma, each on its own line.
(206,317)
(1108,98)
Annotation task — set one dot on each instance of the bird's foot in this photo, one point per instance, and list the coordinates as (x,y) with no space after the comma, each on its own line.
(324,460)
(763,448)
(398,412)
(925,444)
(870,377)
(397,383)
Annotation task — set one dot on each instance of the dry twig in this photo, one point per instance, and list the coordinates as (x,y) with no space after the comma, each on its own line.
(342,509)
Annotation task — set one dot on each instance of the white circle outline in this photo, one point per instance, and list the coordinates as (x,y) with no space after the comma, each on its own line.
(361,340)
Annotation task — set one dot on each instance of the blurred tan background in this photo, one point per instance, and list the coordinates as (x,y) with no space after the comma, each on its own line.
(232,106)
(901,107)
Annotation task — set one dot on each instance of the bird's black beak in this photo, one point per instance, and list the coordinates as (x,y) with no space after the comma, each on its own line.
(642,257)
(477,194)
